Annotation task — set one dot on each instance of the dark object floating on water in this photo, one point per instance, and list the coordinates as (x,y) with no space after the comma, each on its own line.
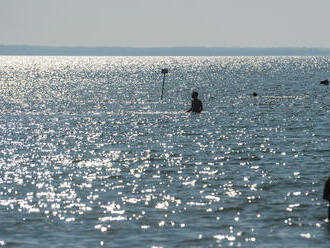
(326,195)
(326,192)
(254,94)
(325,82)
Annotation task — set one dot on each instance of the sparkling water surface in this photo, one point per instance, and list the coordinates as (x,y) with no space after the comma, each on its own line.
(91,157)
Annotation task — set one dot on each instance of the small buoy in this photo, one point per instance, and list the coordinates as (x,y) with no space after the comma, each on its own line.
(325,82)
(254,94)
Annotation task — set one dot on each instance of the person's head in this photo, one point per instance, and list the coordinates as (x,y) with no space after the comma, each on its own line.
(254,94)
(194,94)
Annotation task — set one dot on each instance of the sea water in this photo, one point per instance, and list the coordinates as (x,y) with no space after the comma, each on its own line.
(91,157)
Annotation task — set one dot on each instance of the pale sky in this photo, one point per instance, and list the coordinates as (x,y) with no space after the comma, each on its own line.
(155,23)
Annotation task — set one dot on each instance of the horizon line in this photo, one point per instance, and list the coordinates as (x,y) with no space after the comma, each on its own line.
(33,50)
(165,47)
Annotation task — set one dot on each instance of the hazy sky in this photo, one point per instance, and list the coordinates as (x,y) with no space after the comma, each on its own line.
(155,23)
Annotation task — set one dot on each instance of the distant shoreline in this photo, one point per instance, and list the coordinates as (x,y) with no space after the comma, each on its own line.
(22,50)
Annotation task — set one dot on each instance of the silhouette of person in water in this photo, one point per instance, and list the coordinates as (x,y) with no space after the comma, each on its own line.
(326,194)
(196,104)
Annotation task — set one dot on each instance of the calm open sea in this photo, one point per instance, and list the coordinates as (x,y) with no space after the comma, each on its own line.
(91,157)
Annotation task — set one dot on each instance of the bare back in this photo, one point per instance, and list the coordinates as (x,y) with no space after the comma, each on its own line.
(196,106)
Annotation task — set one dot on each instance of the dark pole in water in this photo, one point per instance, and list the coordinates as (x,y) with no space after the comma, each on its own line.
(326,195)
(164,71)
(329,212)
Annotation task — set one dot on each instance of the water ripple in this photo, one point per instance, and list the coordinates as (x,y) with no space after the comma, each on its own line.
(88,148)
